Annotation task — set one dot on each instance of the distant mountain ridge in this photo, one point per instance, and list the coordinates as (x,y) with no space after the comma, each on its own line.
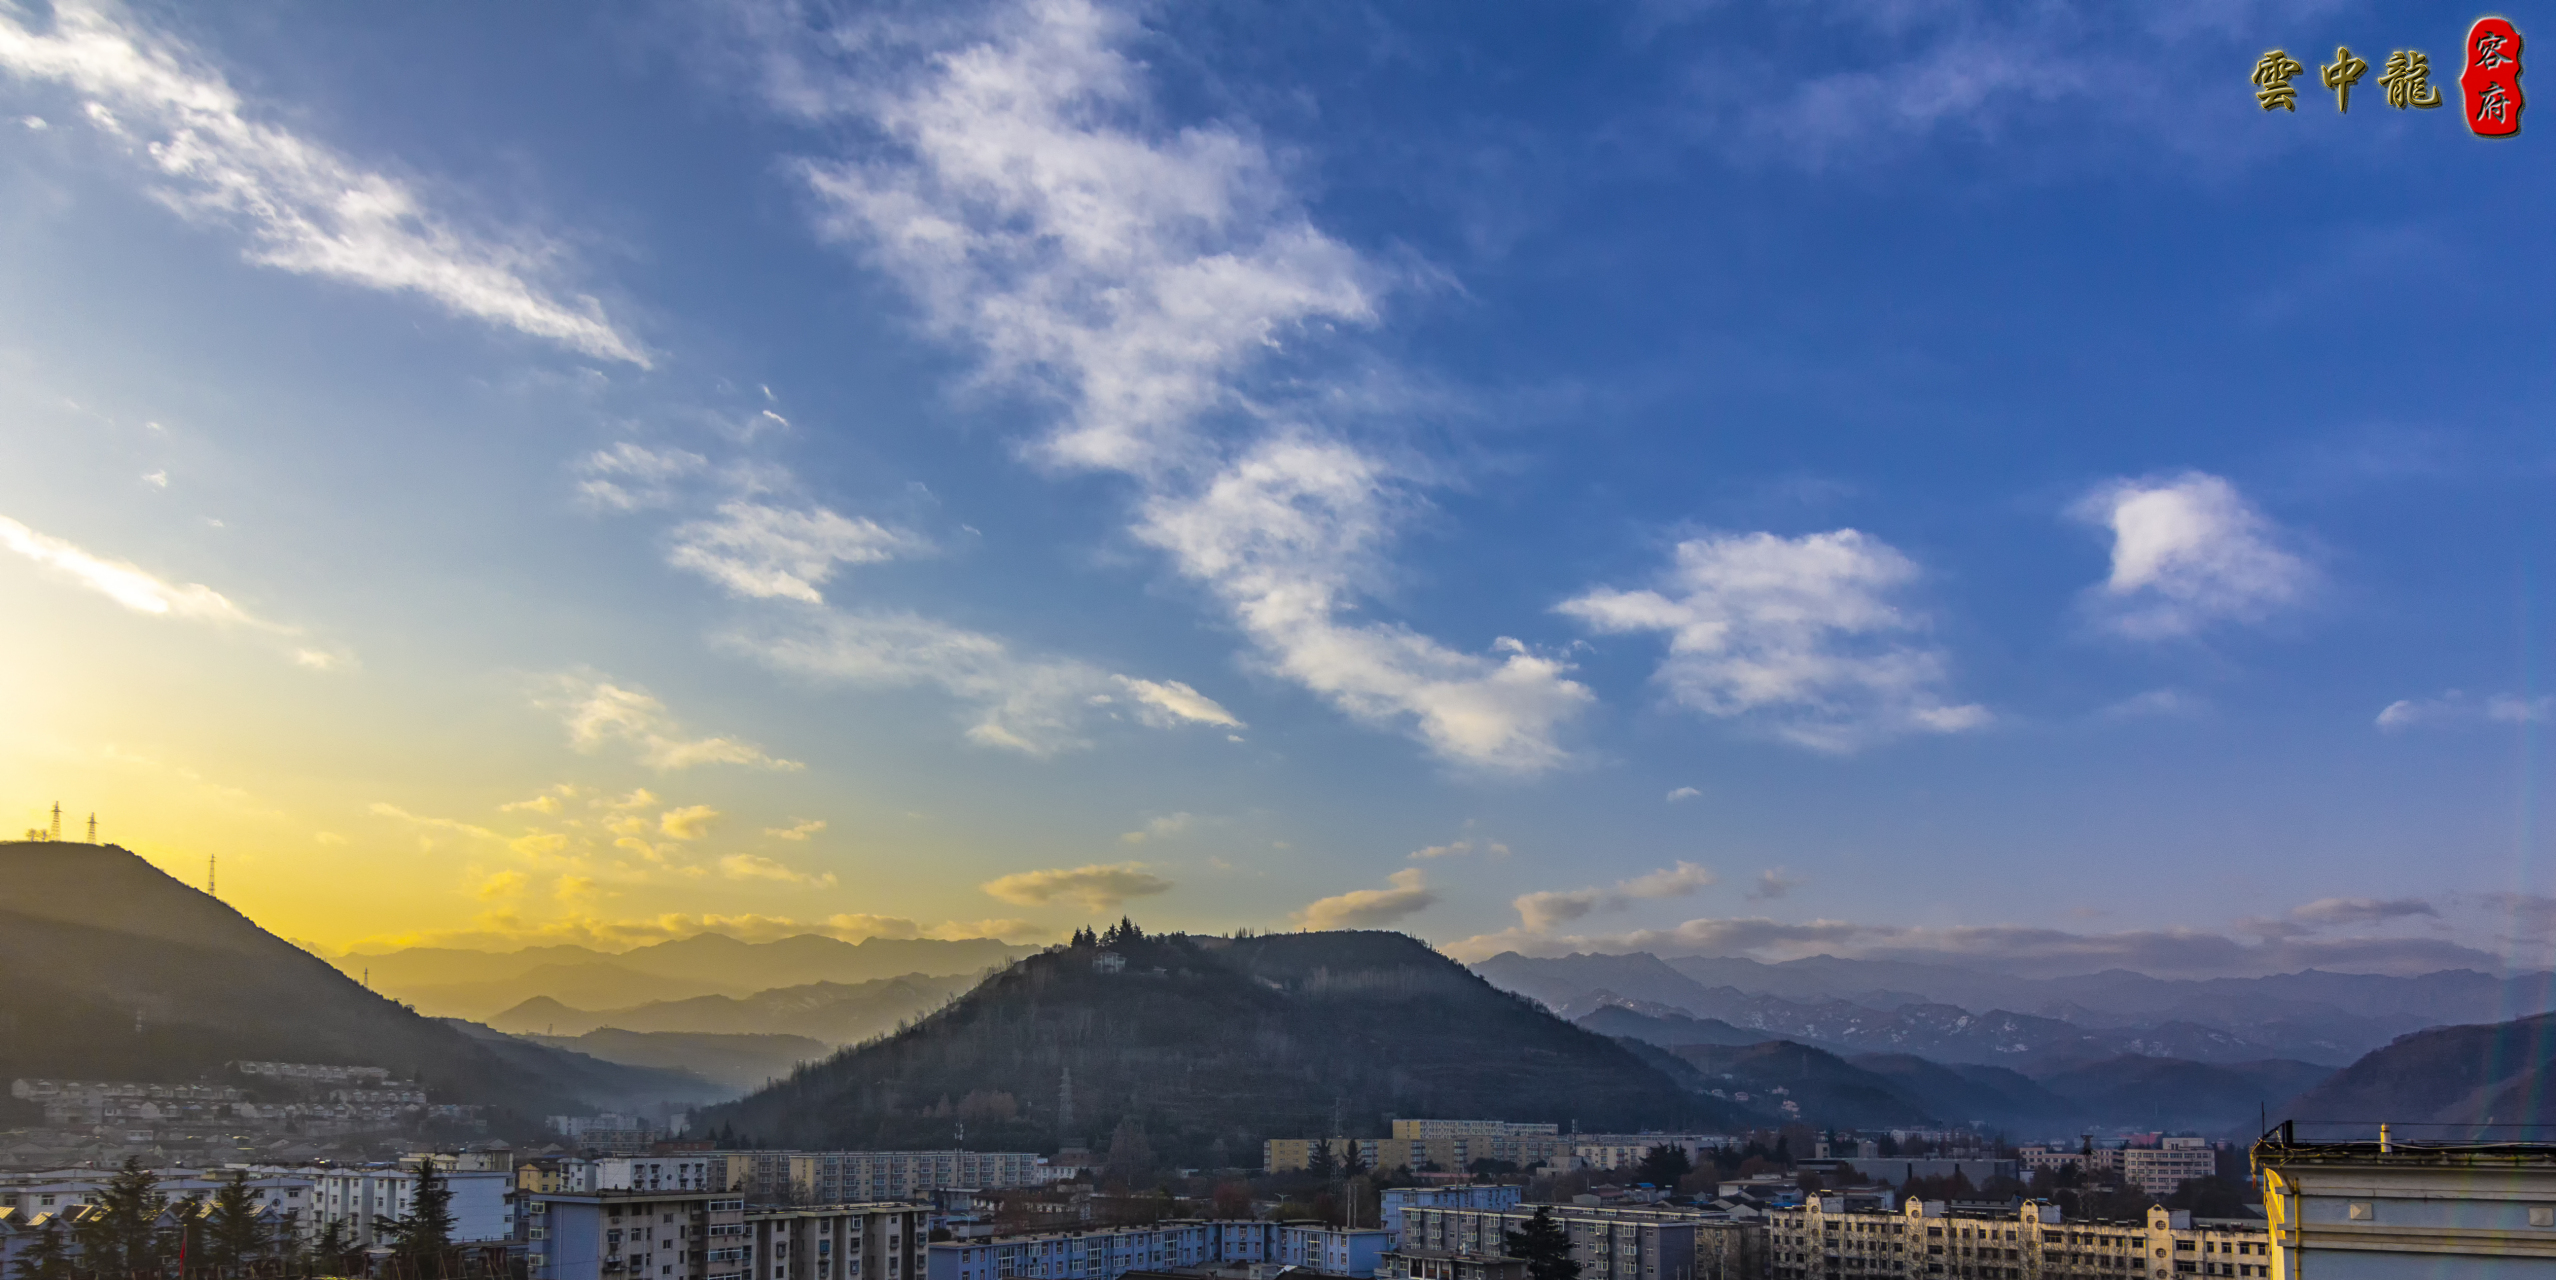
(456,982)
(1878,1006)
(836,1013)
(112,969)
(2484,1081)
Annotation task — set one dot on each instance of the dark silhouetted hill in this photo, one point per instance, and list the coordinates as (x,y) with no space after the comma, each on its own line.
(1212,1045)
(2171,1095)
(2448,1082)
(111,969)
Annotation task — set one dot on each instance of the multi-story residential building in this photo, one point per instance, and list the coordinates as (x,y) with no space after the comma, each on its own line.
(1614,1151)
(713,1235)
(2354,1209)
(126,1104)
(1823,1238)
(1610,1244)
(361,1200)
(1477,1195)
(829,1177)
(60,1190)
(2161,1170)
(1106,1253)
(1449,1145)
(631,1235)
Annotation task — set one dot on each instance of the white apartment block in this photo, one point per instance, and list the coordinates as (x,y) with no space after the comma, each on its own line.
(1823,1238)
(363,1199)
(1105,1253)
(712,1235)
(1610,1244)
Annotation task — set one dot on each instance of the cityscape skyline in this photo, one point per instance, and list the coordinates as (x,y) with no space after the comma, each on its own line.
(1547,481)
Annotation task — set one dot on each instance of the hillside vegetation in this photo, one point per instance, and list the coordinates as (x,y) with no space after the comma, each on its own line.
(1209,1046)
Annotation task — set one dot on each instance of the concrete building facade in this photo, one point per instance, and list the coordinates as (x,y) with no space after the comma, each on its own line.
(2357,1210)
(1823,1239)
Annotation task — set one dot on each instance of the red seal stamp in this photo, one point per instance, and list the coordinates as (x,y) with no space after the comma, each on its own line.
(2490,85)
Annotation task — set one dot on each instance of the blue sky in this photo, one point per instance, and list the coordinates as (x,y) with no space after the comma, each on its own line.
(1928,479)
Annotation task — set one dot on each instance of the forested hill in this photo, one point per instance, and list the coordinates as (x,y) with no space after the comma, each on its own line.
(1211,1045)
(111,969)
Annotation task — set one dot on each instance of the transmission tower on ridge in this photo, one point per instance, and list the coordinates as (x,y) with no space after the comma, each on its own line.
(55,831)
(93,828)
(212,875)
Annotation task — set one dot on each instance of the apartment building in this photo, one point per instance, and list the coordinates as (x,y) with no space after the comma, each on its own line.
(362,1199)
(1449,1145)
(1611,1244)
(830,1177)
(1825,1238)
(637,1234)
(1623,1151)
(1107,1253)
(2157,1170)
(1461,1196)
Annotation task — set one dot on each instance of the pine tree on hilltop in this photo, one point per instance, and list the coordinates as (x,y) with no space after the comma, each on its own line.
(1545,1245)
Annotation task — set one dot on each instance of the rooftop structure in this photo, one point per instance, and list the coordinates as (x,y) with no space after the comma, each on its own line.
(2347,1210)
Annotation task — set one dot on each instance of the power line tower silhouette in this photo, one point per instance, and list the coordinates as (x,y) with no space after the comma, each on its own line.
(93,828)
(55,831)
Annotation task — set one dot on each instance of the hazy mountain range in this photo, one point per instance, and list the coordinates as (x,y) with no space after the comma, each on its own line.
(452,982)
(1959,1015)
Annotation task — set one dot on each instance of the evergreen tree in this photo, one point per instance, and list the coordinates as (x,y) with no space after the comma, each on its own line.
(1352,1161)
(233,1235)
(1663,1165)
(1322,1164)
(49,1258)
(419,1240)
(328,1253)
(122,1235)
(182,1241)
(1545,1245)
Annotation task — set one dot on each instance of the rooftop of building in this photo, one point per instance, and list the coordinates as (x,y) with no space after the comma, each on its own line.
(2403,1154)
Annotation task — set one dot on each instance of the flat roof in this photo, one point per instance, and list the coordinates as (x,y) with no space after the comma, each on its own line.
(2410,1154)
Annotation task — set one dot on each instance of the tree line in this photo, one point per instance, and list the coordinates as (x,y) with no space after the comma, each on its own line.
(136,1232)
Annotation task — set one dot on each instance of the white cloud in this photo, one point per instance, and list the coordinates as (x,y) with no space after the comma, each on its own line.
(157,479)
(424,823)
(690,822)
(747,866)
(2016,950)
(1138,275)
(2455,708)
(1773,883)
(1371,908)
(1456,849)
(1093,888)
(1799,633)
(598,711)
(1033,705)
(1170,824)
(133,587)
(1163,703)
(1683,793)
(629,477)
(796,831)
(767,552)
(1540,911)
(2189,552)
(306,208)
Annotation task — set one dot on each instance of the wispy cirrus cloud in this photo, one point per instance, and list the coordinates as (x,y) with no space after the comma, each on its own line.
(597,711)
(2455,708)
(2189,553)
(760,550)
(304,207)
(1139,276)
(1802,635)
(141,591)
